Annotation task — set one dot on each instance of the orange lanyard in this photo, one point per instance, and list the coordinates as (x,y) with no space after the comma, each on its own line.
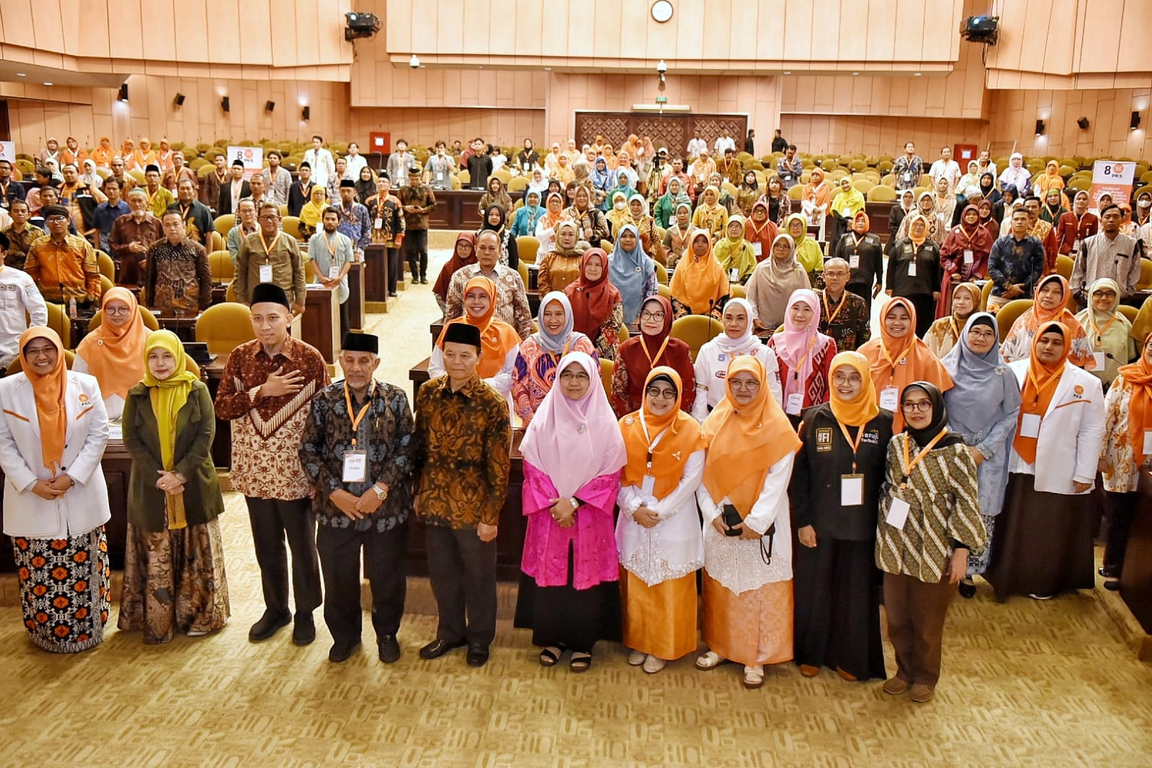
(652,360)
(556,358)
(1052,380)
(909,466)
(331,244)
(363,411)
(828,312)
(897,361)
(268,248)
(1101,331)
(803,357)
(854,443)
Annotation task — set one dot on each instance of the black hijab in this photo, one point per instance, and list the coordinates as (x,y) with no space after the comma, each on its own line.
(988,187)
(497,228)
(939,418)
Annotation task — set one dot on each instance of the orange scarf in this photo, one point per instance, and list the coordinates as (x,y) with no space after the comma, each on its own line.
(115,356)
(497,338)
(1137,377)
(858,412)
(744,442)
(1039,387)
(49,390)
(665,461)
(699,283)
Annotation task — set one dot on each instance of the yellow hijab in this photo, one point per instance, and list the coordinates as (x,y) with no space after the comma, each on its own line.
(312,211)
(168,397)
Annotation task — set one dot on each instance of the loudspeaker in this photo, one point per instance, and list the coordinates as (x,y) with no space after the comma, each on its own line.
(269,105)
(226,104)
(123,94)
(1135,123)
(306,113)
(980,29)
(360,25)
(1083,123)
(179,100)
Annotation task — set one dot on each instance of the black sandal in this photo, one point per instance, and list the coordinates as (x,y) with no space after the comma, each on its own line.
(550,656)
(581,662)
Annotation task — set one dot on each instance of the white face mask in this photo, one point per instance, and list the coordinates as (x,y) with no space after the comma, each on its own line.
(1144,203)
(619,205)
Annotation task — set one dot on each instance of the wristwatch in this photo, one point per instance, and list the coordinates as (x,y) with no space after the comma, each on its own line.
(381,494)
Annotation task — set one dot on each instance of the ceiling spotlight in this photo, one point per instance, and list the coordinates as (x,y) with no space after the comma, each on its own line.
(918,74)
(123,94)
(414,62)
(21,74)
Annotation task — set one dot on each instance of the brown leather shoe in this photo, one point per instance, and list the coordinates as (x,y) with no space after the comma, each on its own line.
(808,670)
(846,675)
(895,686)
(922,693)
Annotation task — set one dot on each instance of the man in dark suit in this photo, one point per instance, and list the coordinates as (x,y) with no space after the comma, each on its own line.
(232,190)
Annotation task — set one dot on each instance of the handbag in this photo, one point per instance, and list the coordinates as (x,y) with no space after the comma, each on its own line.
(732,518)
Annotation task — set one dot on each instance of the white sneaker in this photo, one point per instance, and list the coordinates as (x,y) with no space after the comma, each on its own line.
(653,664)
(636,658)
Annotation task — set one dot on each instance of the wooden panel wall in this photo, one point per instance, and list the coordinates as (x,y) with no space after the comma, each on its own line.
(1014,115)
(505,127)
(849,134)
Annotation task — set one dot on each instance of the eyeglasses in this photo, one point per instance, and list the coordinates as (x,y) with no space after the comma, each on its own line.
(56,218)
(116,311)
(660,393)
(269,217)
(749,385)
(982,333)
(652,316)
(923,406)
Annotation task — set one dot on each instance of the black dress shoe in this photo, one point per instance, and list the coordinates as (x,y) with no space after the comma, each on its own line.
(305,630)
(967,591)
(477,655)
(341,650)
(270,623)
(439,647)
(1109,571)
(1112,585)
(389,649)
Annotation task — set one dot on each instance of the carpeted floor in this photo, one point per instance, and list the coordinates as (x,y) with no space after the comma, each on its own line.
(1025,683)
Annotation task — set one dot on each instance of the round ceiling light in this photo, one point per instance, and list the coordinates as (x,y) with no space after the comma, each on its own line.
(662,11)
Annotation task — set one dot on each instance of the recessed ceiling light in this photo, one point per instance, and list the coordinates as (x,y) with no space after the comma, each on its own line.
(917,74)
(787,71)
(21,74)
(47,83)
(855,73)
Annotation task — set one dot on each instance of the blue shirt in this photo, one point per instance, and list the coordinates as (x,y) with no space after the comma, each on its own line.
(1019,262)
(104,217)
(356,224)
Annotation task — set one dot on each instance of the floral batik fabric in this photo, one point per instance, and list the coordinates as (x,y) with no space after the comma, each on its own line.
(64,590)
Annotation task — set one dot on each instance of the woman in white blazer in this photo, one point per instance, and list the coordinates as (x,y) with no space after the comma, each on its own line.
(53,429)
(1043,542)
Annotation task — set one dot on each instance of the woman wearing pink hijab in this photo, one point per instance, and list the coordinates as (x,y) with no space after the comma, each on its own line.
(573,453)
(804,355)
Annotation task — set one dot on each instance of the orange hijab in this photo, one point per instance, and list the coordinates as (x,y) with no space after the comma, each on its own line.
(1039,316)
(1039,387)
(49,390)
(744,442)
(666,459)
(1137,377)
(115,356)
(899,362)
(699,283)
(497,338)
(858,412)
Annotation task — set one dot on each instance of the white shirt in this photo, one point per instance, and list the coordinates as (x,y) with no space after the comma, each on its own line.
(322,165)
(948,169)
(18,294)
(695,147)
(712,366)
(725,143)
(673,547)
(354,164)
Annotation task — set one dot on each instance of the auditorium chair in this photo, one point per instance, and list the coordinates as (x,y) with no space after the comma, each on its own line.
(223,270)
(1064,265)
(661,274)
(59,322)
(664,291)
(607,369)
(737,291)
(695,331)
(223,327)
(881,193)
(527,247)
(1145,281)
(149,319)
(985,292)
(1008,314)
(105,264)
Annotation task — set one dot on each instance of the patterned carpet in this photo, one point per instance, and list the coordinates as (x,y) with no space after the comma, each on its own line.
(1025,683)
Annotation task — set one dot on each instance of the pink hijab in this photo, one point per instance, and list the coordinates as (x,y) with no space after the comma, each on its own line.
(574,441)
(797,346)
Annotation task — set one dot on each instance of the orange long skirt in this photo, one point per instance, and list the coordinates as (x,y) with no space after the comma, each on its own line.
(660,620)
(751,628)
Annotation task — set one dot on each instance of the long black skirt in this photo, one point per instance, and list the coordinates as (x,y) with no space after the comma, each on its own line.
(566,616)
(838,608)
(1043,543)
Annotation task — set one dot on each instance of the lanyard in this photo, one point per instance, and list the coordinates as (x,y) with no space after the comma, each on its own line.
(648,440)
(644,346)
(269,248)
(888,357)
(800,361)
(1101,331)
(360,416)
(331,244)
(827,310)
(854,443)
(909,466)
(186,213)
(556,358)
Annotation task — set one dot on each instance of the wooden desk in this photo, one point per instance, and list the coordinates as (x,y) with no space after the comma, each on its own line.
(213,374)
(459,209)
(320,325)
(357,316)
(184,327)
(117,468)
(418,374)
(376,273)
(509,540)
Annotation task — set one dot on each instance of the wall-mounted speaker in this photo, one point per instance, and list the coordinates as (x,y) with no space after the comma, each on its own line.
(269,105)
(1135,123)
(179,100)
(226,104)
(123,94)
(1039,127)
(1083,122)
(306,113)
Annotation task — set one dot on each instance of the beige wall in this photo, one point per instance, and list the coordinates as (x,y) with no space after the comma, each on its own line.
(1014,113)
(504,127)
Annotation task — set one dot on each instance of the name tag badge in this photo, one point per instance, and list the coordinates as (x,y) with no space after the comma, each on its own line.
(1075,245)
(911,269)
(379,223)
(851,490)
(795,404)
(889,398)
(969,257)
(1099,361)
(758,249)
(647,486)
(907,176)
(897,513)
(854,261)
(1147,442)
(265,273)
(355,467)
(733,274)
(333,273)
(1030,425)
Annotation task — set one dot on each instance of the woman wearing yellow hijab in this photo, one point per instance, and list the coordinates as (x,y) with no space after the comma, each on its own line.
(747,591)
(658,532)
(313,211)
(835,492)
(174,546)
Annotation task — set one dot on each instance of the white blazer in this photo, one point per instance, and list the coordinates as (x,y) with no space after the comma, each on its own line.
(1071,432)
(85,506)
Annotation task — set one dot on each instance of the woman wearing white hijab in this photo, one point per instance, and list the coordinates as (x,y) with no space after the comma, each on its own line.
(712,360)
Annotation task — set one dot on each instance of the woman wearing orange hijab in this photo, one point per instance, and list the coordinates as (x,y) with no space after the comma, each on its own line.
(55,500)
(1128,418)
(114,352)
(816,197)
(500,342)
(747,534)
(835,495)
(658,532)
(1043,542)
(1051,306)
(699,285)
(898,358)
